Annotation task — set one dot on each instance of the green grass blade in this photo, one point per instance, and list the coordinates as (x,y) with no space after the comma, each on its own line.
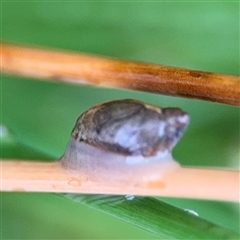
(155,216)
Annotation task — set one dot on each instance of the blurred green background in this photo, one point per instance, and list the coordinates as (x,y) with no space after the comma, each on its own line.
(39,116)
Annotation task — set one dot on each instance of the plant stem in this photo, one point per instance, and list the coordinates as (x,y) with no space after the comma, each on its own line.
(27,176)
(84,69)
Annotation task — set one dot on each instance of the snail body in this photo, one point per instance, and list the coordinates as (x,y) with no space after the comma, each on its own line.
(124,140)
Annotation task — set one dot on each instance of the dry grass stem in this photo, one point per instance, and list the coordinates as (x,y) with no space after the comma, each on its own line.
(96,71)
(83,69)
(23,176)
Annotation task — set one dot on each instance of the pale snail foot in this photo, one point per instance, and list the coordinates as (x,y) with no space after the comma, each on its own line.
(96,165)
(125,141)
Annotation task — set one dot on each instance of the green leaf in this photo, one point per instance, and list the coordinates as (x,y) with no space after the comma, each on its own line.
(157,217)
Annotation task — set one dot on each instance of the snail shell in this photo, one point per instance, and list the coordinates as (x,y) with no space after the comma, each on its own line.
(124,140)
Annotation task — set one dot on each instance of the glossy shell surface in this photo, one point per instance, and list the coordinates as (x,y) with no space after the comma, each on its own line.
(131,127)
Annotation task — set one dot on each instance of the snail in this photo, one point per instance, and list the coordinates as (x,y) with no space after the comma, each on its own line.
(124,140)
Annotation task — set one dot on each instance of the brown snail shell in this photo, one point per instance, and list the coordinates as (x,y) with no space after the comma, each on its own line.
(124,139)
